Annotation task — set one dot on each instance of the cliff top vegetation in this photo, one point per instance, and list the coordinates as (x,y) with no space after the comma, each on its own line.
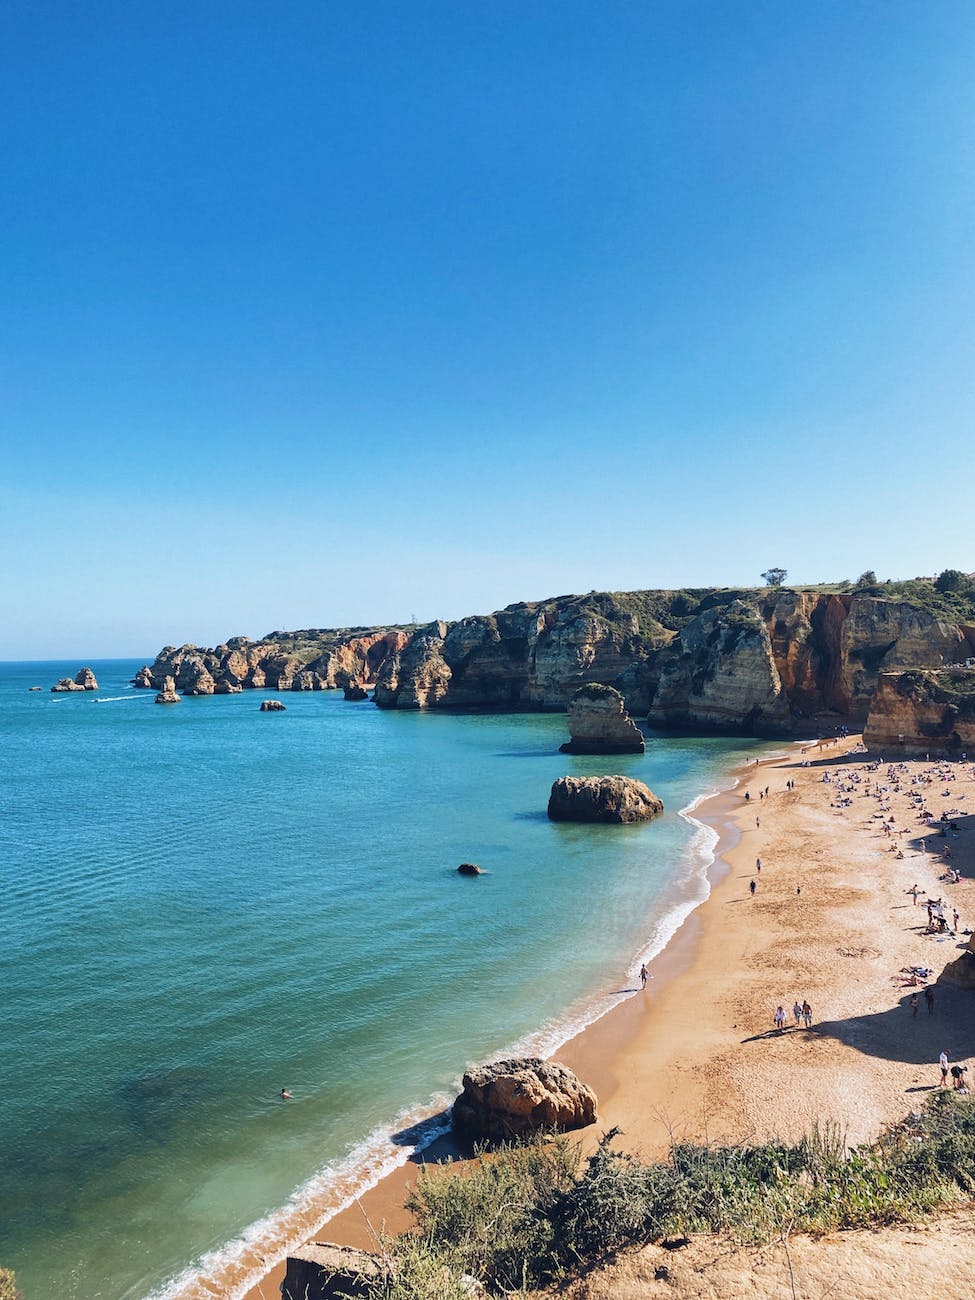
(536,1214)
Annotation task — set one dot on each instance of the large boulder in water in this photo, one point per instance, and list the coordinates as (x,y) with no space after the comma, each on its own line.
(602,799)
(600,724)
(516,1098)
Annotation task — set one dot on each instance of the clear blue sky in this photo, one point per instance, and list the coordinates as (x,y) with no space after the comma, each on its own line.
(330,313)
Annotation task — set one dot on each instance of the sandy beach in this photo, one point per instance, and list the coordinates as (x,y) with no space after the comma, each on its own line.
(832,921)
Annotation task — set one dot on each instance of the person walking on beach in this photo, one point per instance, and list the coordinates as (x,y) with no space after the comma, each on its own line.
(644,975)
(915,891)
(806,1014)
(943,1062)
(758,864)
(779,1018)
(929,998)
(751,886)
(797,1012)
(914,1004)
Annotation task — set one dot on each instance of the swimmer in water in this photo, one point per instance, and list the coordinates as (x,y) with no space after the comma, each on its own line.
(285,1095)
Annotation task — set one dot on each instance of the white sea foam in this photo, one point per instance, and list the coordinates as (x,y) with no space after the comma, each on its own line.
(236,1267)
(266,1242)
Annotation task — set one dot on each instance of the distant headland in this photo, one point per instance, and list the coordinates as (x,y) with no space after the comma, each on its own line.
(763,661)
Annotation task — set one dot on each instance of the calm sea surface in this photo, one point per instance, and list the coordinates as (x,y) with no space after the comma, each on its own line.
(203,903)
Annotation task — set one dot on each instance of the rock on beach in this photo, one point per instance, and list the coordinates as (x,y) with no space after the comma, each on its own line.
(517,1097)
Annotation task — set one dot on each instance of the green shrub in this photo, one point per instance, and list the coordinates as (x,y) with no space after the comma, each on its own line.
(527,1214)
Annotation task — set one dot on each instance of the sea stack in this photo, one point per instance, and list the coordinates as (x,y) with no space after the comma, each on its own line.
(168,693)
(83,681)
(600,724)
(602,799)
(271,706)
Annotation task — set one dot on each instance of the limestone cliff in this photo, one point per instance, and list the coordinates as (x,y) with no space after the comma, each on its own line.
(923,712)
(752,660)
(310,660)
(720,675)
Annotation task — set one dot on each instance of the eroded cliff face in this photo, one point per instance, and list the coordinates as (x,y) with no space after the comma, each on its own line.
(923,713)
(528,656)
(299,661)
(885,636)
(752,661)
(720,675)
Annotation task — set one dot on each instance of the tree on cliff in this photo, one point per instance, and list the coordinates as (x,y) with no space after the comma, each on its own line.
(952,580)
(867,579)
(775,577)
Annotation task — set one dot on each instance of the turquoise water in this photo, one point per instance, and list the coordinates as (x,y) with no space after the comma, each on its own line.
(204,903)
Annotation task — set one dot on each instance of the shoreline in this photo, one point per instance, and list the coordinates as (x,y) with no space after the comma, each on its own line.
(374,1171)
(380,1207)
(695,1055)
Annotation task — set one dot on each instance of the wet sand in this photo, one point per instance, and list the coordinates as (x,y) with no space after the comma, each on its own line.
(831,921)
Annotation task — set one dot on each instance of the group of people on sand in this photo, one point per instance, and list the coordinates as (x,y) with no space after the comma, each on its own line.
(802,1014)
(957,1072)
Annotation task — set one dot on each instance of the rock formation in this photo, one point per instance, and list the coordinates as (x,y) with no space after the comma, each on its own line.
(84,680)
(923,713)
(719,675)
(271,706)
(356,691)
(602,799)
(310,660)
(515,1098)
(600,724)
(469,869)
(168,693)
(757,661)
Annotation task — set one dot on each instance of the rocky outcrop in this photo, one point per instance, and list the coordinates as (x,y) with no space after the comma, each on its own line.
(719,675)
(750,661)
(311,660)
(168,693)
(514,1098)
(600,724)
(84,680)
(417,676)
(879,636)
(355,690)
(469,869)
(923,713)
(271,706)
(195,678)
(319,1270)
(602,799)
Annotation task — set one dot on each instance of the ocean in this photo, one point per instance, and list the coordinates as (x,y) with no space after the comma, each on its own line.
(203,903)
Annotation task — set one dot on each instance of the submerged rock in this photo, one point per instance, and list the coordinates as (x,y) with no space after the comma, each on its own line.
(470,869)
(602,799)
(514,1098)
(168,693)
(271,706)
(600,724)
